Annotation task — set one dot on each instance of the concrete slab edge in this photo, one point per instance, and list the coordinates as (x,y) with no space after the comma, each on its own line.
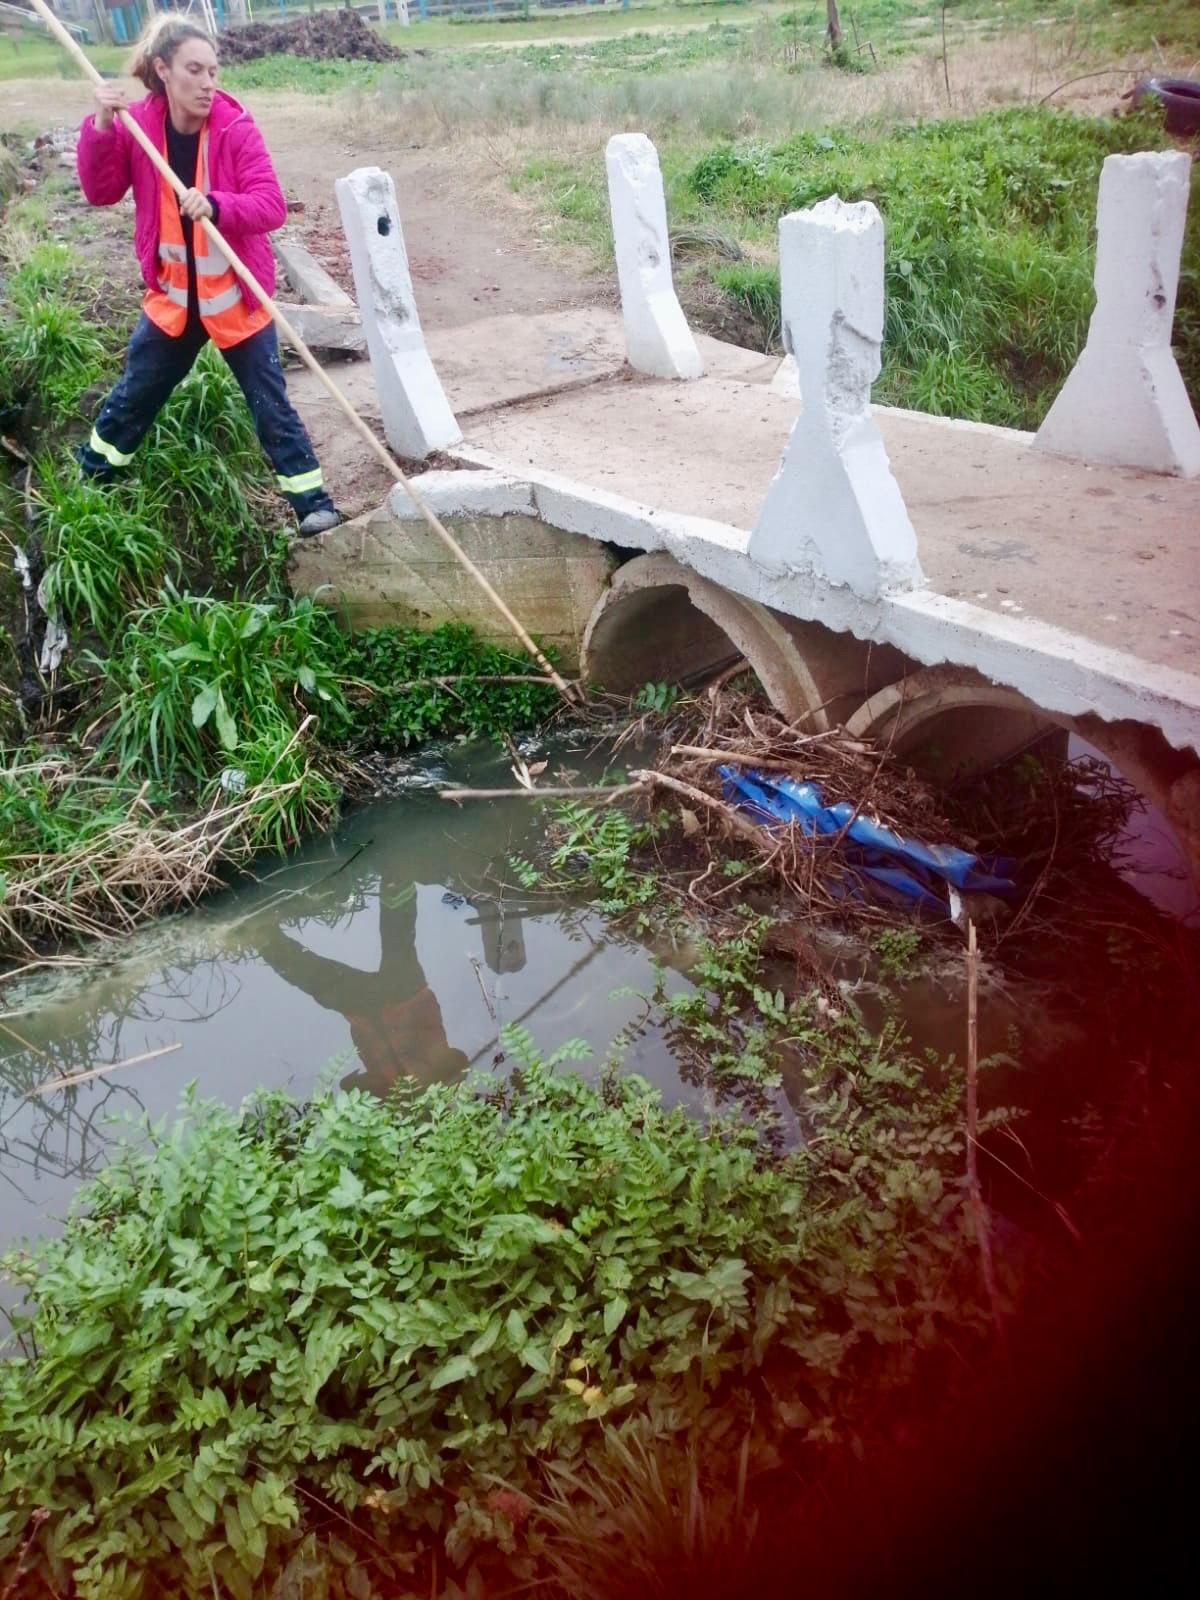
(1059,671)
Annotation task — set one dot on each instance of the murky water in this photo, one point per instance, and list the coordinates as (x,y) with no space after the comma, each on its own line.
(389,949)
(394,948)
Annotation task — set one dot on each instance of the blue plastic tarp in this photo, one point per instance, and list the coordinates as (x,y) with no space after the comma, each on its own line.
(917,871)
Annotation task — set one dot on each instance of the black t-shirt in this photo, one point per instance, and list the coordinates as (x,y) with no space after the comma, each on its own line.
(183,150)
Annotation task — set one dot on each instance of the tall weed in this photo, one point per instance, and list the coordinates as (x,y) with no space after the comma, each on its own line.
(200,681)
(203,459)
(49,356)
(106,549)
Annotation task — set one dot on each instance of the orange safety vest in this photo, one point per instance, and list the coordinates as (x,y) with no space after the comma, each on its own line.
(226,317)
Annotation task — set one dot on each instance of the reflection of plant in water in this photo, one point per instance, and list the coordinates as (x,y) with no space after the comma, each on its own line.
(68,1133)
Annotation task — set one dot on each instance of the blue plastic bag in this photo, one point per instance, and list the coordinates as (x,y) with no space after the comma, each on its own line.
(917,871)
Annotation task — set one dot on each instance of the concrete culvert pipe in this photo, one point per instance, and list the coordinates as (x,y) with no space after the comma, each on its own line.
(952,723)
(661,622)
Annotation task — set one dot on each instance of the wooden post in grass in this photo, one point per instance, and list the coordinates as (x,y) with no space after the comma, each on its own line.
(833,26)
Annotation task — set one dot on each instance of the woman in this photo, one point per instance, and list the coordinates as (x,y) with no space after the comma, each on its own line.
(192,295)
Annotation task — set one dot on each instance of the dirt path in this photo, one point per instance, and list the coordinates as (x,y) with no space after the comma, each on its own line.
(473,251)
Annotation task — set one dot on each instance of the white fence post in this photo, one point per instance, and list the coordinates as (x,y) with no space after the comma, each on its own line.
(658,340)
(1124,403)
(417,418)
(833,506)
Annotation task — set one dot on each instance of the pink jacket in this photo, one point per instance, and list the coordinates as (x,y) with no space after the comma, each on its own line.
(243,183)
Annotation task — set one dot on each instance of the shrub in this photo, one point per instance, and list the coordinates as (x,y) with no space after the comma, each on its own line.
(360,1316)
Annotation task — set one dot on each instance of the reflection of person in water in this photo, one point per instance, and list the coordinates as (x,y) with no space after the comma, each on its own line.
(394,1016)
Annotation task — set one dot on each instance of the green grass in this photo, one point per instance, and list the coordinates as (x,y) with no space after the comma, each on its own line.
(29,56)
(48,807)
(197,680)
(989,243)
(50,351)
(107,550)
(231,528)
(989,247)
(890,25)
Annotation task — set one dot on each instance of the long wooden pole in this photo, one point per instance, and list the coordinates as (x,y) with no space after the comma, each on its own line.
(243,272)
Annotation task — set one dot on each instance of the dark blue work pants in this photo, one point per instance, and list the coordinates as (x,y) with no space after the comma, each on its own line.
(154,365)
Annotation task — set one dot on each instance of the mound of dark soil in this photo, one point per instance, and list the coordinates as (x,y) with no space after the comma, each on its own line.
(324,36)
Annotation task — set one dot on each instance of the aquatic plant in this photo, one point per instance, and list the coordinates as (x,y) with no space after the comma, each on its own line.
(406,685)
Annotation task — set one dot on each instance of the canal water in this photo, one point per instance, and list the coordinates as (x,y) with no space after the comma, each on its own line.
(393,948)
(398,947)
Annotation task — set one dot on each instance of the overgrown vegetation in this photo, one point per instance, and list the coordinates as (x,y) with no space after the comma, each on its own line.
(404,686)
(989,244)
(200,713)
(989,248)
(328,1344)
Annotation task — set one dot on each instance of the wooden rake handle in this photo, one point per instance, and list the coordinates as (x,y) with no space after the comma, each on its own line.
(71,46)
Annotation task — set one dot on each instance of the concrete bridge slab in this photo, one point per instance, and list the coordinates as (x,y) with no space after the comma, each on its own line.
(1109,554)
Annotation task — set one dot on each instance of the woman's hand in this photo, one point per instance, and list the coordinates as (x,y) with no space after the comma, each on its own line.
(110,98)
(194,205)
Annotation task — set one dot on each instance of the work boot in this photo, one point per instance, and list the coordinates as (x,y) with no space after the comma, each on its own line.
(319,522)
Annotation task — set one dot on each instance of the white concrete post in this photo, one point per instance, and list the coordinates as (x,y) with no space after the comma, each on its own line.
(658,340)
(402,12)
(833,506)
(1124,403)
(417,418)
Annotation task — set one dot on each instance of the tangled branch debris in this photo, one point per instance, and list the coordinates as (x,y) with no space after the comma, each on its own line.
(1057,823)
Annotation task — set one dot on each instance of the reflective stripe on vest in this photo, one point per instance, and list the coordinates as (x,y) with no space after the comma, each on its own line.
(223,311)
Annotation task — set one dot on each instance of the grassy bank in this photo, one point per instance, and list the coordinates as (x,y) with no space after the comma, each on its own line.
(199,715)
(989,243)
